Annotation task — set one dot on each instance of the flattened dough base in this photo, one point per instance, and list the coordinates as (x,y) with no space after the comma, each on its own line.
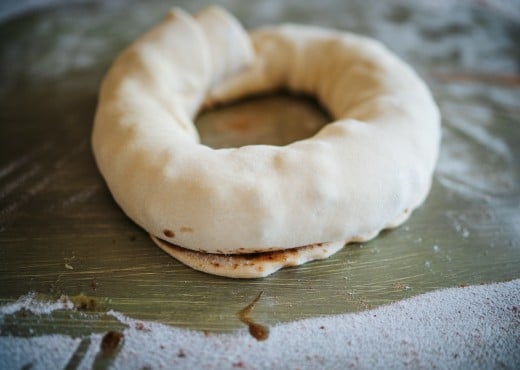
(249,265)
(364,172)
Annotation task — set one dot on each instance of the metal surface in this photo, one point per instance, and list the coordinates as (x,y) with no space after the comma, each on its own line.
(61,232)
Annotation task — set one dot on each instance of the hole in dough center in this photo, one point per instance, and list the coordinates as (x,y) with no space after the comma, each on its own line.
(275,119)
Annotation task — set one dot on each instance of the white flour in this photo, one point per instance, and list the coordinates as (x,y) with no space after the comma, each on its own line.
(470,327)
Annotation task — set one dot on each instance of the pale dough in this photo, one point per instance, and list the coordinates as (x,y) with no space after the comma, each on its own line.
(362,173)
(253,265)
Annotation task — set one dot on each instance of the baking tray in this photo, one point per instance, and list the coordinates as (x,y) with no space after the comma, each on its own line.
(61,233)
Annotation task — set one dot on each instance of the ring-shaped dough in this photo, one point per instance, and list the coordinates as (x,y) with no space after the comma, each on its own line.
(364,172)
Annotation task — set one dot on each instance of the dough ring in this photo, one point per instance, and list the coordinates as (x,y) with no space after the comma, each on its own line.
(360,174)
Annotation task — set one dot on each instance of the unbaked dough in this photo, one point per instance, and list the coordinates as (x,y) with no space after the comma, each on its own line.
(364,172)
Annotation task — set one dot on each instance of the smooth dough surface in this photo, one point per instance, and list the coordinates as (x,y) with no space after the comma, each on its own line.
(364,172)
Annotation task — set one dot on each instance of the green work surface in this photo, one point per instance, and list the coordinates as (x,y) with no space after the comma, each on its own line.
(61,233)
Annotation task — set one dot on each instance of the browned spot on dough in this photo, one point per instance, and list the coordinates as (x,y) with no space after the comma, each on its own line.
(186,229)
(168,233)
(216,264)
(278,161)
(252,260)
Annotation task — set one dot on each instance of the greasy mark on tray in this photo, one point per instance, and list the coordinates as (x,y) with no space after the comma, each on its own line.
(186,229)
(110,343)
(168,233)
(258,331)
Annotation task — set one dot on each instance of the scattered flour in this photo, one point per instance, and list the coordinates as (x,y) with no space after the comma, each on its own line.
(30,302)
(45,352)
(471,327)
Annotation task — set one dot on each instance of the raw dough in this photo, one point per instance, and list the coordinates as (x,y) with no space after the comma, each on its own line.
(362,173)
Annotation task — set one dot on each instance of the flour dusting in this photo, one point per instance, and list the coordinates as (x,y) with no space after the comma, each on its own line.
(475,326)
